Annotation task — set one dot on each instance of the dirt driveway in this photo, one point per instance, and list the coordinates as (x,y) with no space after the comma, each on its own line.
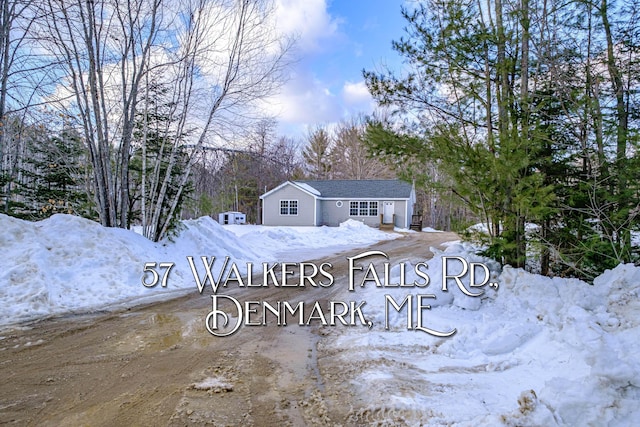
(158,365)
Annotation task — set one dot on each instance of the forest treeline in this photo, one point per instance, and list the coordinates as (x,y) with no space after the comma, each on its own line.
(528,110)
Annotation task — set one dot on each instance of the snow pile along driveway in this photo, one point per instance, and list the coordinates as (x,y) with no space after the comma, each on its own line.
(538,352)
(67,264)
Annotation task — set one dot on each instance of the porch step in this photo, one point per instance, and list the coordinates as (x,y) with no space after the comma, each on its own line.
(387,227)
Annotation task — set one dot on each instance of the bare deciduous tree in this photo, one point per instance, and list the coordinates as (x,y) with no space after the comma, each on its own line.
(104,47)
(21,72)
(236,46)
(317,153)
(215,58)
(350,156)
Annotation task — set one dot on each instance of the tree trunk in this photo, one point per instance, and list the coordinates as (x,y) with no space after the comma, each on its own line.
(622,125)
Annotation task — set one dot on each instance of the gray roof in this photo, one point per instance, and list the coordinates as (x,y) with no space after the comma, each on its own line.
(369,188)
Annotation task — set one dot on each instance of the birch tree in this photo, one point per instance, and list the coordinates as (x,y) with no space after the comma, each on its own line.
(104,47)
(216,57)
(21,74)
(229,57)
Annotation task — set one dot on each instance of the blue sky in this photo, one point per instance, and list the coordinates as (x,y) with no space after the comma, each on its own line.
(336,40)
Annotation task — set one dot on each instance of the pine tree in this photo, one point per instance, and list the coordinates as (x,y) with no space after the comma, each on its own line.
(530,109)
(473,115)
(150,166)
(53,178)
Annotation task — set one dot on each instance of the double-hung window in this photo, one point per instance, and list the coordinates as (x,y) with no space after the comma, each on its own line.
(288,207)
(365,208)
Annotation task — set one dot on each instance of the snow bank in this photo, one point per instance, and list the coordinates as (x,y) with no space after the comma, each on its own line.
(539,351)
(66,264)
(303,243)
(430,230)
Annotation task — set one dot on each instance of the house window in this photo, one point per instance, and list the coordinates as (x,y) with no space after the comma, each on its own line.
(288,207)
(363,209)
(353,209)
(373,208)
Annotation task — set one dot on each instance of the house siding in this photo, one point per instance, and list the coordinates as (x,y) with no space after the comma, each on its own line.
(317,202)
(319,213)
(306,207)
(333,215)
(400,210)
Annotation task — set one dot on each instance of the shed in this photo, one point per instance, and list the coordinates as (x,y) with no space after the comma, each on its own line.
(232,217)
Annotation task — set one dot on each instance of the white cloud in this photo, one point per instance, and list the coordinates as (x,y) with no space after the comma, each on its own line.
(357,95)
(308,20)
(309,98)
(305,100)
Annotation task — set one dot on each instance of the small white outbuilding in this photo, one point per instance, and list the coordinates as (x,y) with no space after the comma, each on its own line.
(232,218)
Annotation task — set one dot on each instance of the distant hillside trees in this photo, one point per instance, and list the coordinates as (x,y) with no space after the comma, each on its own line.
(235,178)
(342,154)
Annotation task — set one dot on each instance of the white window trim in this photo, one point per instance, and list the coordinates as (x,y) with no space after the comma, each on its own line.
(369,202)
(289,207)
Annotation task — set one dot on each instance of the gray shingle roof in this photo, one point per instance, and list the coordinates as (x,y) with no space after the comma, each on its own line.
(370,188)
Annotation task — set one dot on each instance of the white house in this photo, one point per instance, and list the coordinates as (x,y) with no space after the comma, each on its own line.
(330,202)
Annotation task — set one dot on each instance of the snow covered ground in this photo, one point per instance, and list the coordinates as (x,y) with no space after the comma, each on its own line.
(538,351)
(66,264)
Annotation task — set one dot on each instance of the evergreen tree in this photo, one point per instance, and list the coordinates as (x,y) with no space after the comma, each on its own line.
(533,120)
(463,88)
(154,143)
(53,178)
